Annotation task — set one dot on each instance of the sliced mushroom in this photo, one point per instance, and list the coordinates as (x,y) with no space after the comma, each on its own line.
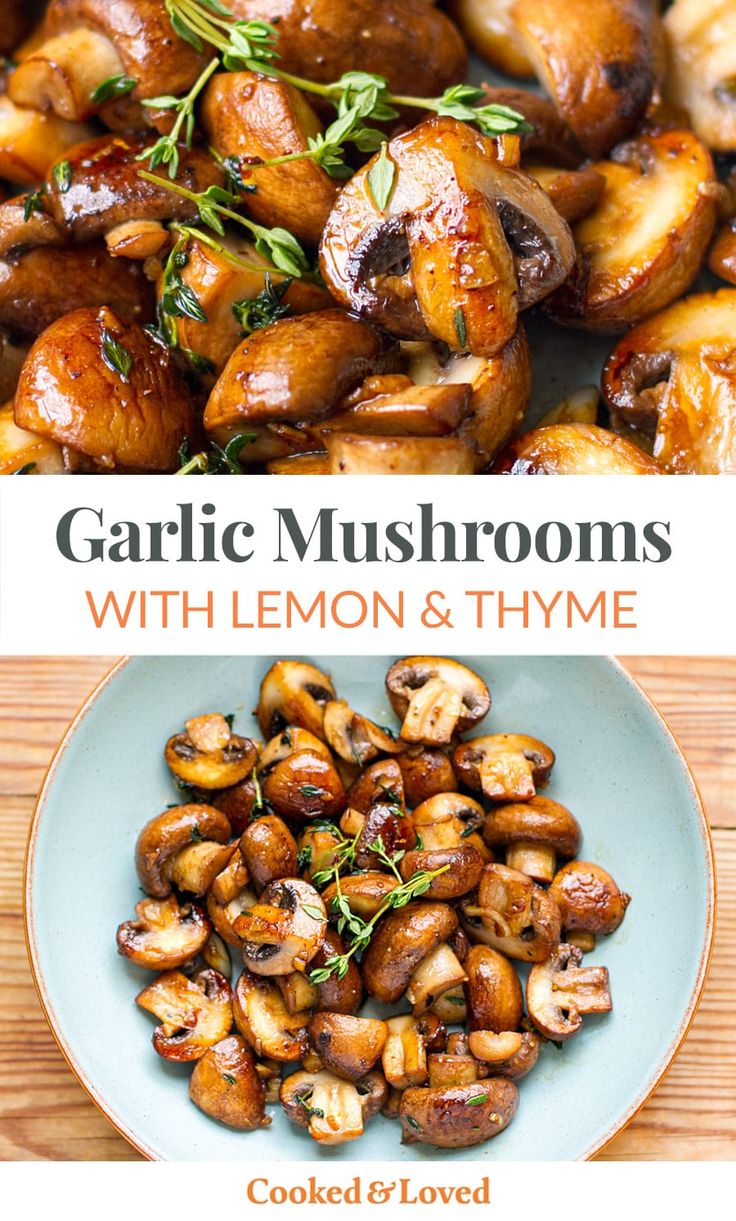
(255,118)
(107,389)
(266,1023)
(25,451)
(573,449)
(194,1013)
(284,930)
(215,954)
(194,868)
(298,992)
(500,389)
(506,766)
(293,692)
(447,1069)
(164,934)
(534,832)
(463,866)
(288,741)
(355,738)
(229,896)
(305,785)
(458,1117)
(588,898)
(490,29)
(599,63)
(401,942)
(404,1058)
(512,915)
(229,277)
(332,1109)
(492,991)
(425,772)
(494,1048)
(294,372)
(209,755)
(560,991)
(354,454)
(447,820)
(701,37)
(408,42)
(170,833)
(573,192)
(226,1085)
(269,850)
(440,972)
(674,377)
(102,187)
(364,892)
(83,43)
(30,142)
(643,244)
(435,698)
(347,1046)
(451,1006)
(481,241)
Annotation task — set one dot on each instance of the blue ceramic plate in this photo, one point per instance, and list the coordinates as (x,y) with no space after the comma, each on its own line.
(618,768)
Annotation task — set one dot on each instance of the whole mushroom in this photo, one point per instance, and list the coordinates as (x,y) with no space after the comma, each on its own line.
(506,766)
(559,992)
(435,698)
(176,831)
(164,935)
(284,930)
(458,1117)
(225,1084)
(588,898)
(534,834)
(208,755)
(194,1013)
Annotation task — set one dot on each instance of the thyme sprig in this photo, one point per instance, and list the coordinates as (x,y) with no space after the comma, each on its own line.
(361,931)
(219,460)
(166,151)
(216,205)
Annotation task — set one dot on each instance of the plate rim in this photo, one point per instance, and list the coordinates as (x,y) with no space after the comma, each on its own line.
(151,1154)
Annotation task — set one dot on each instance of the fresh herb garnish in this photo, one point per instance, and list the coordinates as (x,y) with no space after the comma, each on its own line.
(113,87)
(476,1101)
(311,790)
(303,858)
(461,329)
(215,460)
(381,178)
(33,203)
(313,912)
(413,1123)
(392,861)
(229,1078)
(25,470)
(115,355)
(303,1101)
(195,834)
(264,309)
(62,176)
(166,150)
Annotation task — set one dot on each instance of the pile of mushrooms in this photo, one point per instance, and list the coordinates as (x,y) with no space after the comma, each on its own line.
(361,312)
(340,916)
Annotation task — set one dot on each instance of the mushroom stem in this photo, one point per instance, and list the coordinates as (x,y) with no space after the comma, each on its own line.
(64,72)
(433,712)
(537,861)
(436,974)
(335,1112)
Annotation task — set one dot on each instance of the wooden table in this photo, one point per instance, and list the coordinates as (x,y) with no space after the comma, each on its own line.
(45,1114)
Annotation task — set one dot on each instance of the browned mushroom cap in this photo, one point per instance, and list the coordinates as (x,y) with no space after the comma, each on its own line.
(364,892)
(82,43)
(673,377)
(103,187)
(404,1058)
(573,449)
(414,46)
(425,771)
(223,278)
(464,867)
(107,389)
(332,1109)
(294,371)
(435,698)
(512,915)
(588,898)
(381,782)
(445,820)
(194,1013)
(355,454)
(229,896)
(401,942)
(269,850)
(644,242)
(523,1061)
(722,257)
(225,1085)
(533,832)
(599,63)
(17,18)
(701,67)
(458,1117)
(209,755)
(293,692)
(500,389)
(550,139)
(492,991)
(506,766)
(305,785)
(573,192)
(284,930)
(490,29)
(40,284)
(253,117)
(355,738)
(510,246)
(30,142)
(164,935)
(266,1023)
(347,1046)
(337,995)
(385,828)
(560,991)
(164,837)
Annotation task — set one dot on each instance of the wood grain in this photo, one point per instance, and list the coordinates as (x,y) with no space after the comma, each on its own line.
(45,1114)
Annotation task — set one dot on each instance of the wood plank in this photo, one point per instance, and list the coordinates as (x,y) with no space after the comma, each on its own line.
(45,1114)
